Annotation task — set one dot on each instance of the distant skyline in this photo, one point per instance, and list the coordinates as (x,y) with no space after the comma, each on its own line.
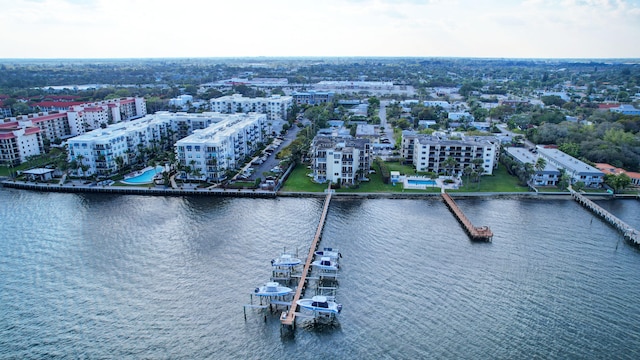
(331,28)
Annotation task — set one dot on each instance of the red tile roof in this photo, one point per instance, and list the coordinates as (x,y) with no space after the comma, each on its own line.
(31,130)
(57,104)
(9,125)
(8,135)
(46,117)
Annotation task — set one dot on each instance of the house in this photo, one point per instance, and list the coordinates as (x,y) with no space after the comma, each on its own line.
(610,169)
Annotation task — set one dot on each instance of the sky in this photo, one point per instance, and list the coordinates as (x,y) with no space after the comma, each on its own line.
(320,28)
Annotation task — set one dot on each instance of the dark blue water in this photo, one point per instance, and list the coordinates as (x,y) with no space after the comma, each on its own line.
(151,277)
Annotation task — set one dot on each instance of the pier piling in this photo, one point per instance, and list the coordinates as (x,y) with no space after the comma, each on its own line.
(290,317)
(627,231)
(482,233)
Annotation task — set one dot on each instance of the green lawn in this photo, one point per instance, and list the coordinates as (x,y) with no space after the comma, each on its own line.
(500,181)
(299,181)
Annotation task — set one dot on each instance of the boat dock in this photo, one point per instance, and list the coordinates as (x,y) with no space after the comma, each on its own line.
(288,318)
(628,231)
(482,233)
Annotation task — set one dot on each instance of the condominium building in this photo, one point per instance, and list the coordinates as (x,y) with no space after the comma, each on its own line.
(549,176)
(18,143)
(53,126)
(101,152)
(78,119)
(429,153)
(211,152)
(276,107)
(578,170)
(341,160)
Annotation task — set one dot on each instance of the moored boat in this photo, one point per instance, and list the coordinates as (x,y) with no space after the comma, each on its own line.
(272,289)
(330,252)
(320,304)
(326,263)
(286,260)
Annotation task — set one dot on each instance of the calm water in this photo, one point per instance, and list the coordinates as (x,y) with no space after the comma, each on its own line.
(99,276)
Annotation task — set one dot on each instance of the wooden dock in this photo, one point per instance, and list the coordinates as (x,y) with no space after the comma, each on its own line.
(627,231)
(289,317)
(482,233)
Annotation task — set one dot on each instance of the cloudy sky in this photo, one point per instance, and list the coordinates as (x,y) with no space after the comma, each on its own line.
(237,28)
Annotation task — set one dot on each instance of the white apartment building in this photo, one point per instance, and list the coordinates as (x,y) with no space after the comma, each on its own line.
(17,143)
(100,149)
(429,153)
(341,160)
(211,152)
(276,107)
(181,101)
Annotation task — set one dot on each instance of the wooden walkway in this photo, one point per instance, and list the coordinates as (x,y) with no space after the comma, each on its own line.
(482,233)
(289,317)
(628,231)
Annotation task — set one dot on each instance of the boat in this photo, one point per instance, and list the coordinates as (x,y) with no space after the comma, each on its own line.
(320,304)
(286,260)
(330,252)
(272,289)
(325,263)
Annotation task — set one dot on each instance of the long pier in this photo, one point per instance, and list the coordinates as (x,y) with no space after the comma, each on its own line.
(289,317)
(482,233)
(627,231)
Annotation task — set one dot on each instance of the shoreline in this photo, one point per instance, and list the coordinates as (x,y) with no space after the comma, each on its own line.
(255,193)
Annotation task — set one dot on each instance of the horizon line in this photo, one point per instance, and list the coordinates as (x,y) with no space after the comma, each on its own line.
(316,57)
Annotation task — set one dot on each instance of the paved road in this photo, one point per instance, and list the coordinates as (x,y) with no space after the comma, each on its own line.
(271,160)
(388,129)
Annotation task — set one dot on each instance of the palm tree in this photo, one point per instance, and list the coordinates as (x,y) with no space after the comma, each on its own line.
(119,163)
(541,163)
(450,163)
(192,167)
(467,171)
(528,172)
(80,164)
(477,168)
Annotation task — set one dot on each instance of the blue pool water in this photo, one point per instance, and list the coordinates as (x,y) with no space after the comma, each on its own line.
(421,182)
(144,178)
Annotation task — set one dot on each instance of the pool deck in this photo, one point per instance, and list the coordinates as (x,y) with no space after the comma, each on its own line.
(439,183)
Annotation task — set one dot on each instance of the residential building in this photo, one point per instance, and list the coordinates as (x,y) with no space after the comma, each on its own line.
(626,109)
(341,160)
(578,170)
(549,176)
(181,102)
(102,151)
(223,146)
(610,169)
(443,104)
(429,153)
(367,131)
(312,97)
(18,143)
(276,107)
(53,126)
(78,119)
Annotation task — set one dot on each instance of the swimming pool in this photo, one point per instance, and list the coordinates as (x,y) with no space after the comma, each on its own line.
(421,182)
(146,177)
